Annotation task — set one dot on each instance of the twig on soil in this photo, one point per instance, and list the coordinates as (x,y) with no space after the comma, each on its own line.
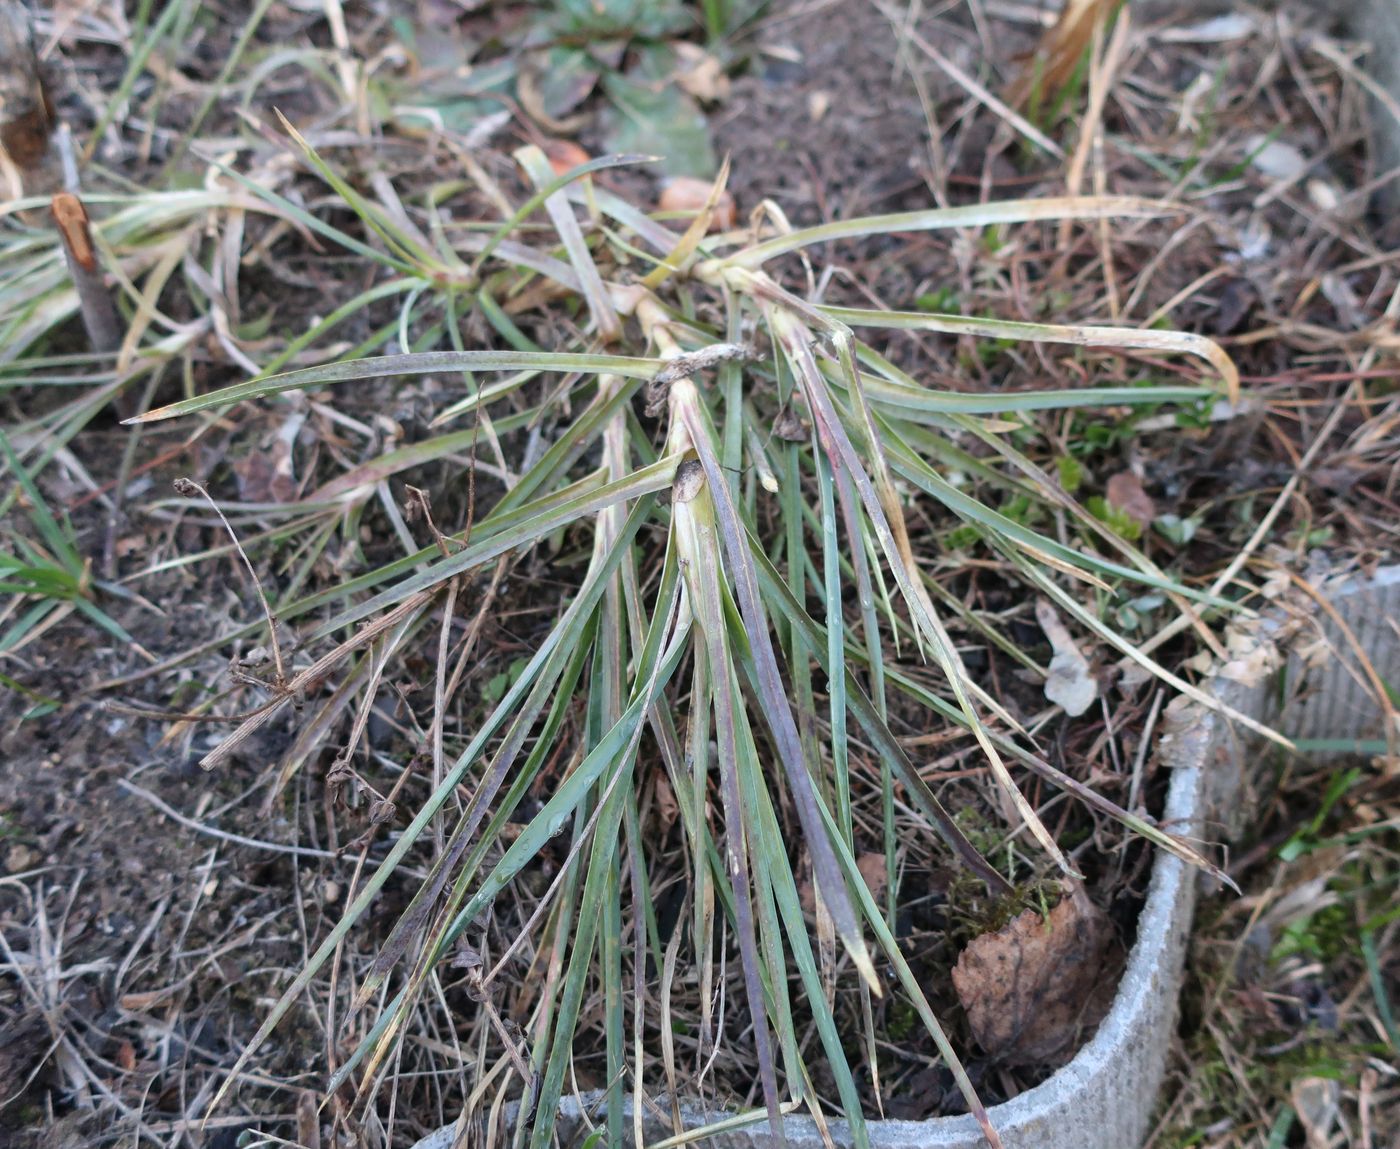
(224,835)
(189,488)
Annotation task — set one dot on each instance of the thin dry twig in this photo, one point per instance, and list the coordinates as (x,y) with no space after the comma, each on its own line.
(223,835)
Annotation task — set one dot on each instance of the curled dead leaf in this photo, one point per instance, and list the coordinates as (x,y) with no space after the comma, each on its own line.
(790,427)
(687,194)
(564,155)
(1252,657)
(308,1120)
(1276,159)
(1125,492)
(1032,987)
(667,808)
(1071,682)
(872,869)
(1317,1102)
(265,476)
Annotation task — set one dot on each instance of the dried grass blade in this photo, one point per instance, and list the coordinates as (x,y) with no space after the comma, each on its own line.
(1061,48)
(530,527)
(686,246)
(1107,338)
(561,214)
(574,616)
(937,219)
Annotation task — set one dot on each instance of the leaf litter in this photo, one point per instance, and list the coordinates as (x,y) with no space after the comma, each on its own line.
(1033,987)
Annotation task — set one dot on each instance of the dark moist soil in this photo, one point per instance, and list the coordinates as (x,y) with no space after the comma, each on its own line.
(141,955)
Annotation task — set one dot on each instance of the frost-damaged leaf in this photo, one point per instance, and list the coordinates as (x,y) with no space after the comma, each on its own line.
(886,518)
(882,739)
(553,83)
(693,527)
(1031,987)
(1071,682)
(773,693)
(1079,335)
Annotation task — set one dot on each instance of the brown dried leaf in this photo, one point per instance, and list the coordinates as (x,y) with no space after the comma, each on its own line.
(564,155)
(687,194)
(266,476)
(790,427)
(872,869)
(667,808)
(1030,987)
(1125,492)
(870,865)
(806,889)
(26,112)
(140,1002)
(308,1121)
(1059,51)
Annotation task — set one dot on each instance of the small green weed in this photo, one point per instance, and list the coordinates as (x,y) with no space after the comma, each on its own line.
(45,575)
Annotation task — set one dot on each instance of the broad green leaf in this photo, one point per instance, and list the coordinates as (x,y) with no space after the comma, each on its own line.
(656,117)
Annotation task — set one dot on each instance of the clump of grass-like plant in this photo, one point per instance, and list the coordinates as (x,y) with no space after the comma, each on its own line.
(711,636)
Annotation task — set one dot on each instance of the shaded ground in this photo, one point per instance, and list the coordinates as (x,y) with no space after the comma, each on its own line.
(142,952)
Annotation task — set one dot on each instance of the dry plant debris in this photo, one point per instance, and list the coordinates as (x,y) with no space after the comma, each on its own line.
(144,990)
(1289,1031)
(1031,988)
